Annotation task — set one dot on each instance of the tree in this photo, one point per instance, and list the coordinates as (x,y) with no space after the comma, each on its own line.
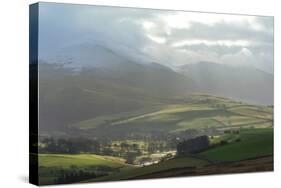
(193,145)
(151,147)
(135,146)
(107,151)
(124,145)
(71,145)
(130,157)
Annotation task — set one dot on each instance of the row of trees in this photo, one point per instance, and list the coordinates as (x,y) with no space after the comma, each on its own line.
(67,176)
(82,145)
(69,146)
(128,151)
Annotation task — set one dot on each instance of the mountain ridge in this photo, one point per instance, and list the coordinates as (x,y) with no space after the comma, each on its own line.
(245,83)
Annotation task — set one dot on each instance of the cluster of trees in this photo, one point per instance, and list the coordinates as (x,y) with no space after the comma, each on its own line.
(155,147)
(128,151)
(131,157)
(129,147)
(234,131)
(69,146)
(219,106)
(192,145)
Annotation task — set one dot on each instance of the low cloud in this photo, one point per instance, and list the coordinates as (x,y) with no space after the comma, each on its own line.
(171,38)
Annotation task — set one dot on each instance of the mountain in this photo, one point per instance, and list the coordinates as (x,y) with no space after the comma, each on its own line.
(92,81)
(86,54)
(244,83)
(110,84)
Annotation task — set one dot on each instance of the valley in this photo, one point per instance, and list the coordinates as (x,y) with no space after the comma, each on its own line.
(126,93)
(142,143)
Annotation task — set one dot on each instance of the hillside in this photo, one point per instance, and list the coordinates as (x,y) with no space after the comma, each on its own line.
(244,83)
(253,153)
(185,162)
(203,113)
(239,134)
(253,143)
(89,82)
(91,92)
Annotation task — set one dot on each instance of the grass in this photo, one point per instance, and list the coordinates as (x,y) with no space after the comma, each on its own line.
(162,166)
(254,111)
(166,113)
(198,123)
(79,160)
(236,120)
(50,165)
(100,120)
(196,112)
(254,143)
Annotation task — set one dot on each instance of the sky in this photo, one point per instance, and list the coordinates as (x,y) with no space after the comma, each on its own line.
(171,38)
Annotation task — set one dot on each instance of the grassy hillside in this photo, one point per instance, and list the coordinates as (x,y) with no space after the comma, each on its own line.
(98,91)
(195,112)
(252,143)
(184,162)
(221,79)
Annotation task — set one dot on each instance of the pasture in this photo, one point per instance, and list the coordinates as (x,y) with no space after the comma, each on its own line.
(252,143)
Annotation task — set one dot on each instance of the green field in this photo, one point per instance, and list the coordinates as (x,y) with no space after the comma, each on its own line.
(253,143)
(51,164)
(196,112)
(80,160)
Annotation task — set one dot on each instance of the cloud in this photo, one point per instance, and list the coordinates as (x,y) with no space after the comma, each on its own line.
(171,38)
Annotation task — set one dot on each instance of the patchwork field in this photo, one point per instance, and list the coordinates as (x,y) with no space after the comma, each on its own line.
(143,143)
(195,112)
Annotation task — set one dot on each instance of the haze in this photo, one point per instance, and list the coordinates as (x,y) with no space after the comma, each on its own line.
(170,38)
